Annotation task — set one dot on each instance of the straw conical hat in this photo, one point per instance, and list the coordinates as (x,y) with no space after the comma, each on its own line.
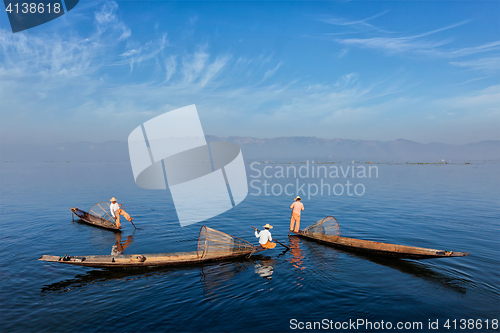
(268,226)
(113,199)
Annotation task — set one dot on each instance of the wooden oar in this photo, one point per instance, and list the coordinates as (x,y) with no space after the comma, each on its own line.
(274,239)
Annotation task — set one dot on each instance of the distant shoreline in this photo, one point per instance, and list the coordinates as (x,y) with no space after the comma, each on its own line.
(274,149)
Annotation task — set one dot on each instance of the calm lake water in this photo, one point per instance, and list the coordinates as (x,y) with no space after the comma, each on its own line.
(443,206)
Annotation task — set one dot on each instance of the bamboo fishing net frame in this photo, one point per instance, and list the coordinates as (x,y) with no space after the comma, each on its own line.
(325,229)
(212,242)
(101,210)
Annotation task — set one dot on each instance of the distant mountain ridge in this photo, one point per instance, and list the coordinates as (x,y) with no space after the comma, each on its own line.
(280,148)
(401,149)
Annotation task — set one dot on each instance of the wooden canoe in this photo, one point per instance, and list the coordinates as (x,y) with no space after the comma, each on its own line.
(327,231)
(212,245)
(105,222)
(144,260)
(384,249)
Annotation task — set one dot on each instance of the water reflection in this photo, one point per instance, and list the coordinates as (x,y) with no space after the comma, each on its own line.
(119,247)
(92,277)
(422,271)
(99,238)
(297,259)
(297,256)
(215,277)
(265,269)
(415,268)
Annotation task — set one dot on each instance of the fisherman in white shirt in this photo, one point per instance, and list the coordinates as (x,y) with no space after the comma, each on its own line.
(117,210)
(265,239)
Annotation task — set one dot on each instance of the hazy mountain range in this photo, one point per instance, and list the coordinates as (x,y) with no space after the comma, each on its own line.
(283,148)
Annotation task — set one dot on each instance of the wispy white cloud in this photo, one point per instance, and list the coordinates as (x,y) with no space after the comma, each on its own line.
(32,54)
(487,64)
(417,44)
(395,44)
(57,55)
(411,45)
(131,52)
(270,72)
(342,52)
(263,59)
(170,67)
(451,26)
(493,46)
(143,52)
(473,80)
(484,100)
(193,65)
(107,19)
(346,80)
(214,69)
(243,63)
(359,24)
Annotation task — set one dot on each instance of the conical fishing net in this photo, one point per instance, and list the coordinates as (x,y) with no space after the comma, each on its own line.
(325,229)
(100,211)
(212,242)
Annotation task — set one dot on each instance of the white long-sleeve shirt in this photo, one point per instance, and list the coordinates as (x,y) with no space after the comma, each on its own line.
(113,208)
(264,236)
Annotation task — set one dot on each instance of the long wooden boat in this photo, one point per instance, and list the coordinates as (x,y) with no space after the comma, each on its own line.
(327,231)
(98,216)
(140,260)
(212,245)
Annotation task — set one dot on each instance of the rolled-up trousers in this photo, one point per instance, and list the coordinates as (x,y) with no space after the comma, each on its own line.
(295,219)
(121,212)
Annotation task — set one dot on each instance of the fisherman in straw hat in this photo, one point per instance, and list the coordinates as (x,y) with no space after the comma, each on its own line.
(117,210)
(296,208)
(265,238)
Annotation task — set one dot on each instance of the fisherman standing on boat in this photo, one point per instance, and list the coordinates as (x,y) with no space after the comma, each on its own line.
(117,210)
(264,236)
(296,208)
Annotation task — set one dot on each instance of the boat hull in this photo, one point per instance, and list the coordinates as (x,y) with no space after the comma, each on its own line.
(382,249)
(94,220)
(150,260)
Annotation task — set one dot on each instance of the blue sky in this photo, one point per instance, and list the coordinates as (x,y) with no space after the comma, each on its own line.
(420,70)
